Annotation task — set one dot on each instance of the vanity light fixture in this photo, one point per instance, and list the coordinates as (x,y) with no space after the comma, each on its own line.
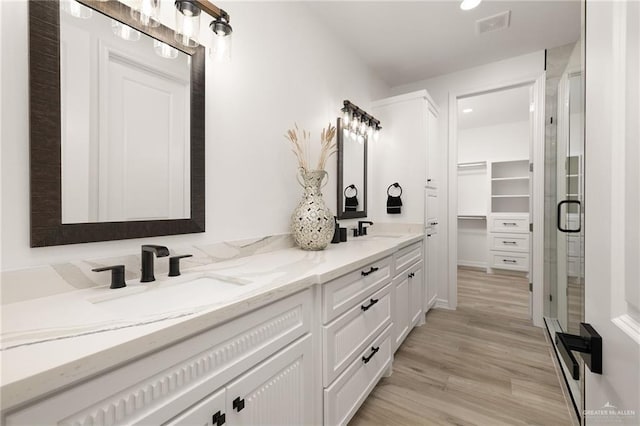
(469,4)
(188,27)
(146,12)
(359,122)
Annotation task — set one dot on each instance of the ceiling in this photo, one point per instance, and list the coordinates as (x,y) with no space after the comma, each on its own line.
(407,41)
(490,109)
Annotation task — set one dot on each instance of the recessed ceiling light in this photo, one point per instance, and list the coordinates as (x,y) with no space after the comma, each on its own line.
(467,110)
(469,4)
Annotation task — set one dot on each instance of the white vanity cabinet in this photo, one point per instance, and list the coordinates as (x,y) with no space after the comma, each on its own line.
(356,337)
(408,292)
(256,369)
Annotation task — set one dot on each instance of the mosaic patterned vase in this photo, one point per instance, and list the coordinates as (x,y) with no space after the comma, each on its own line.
(312,223)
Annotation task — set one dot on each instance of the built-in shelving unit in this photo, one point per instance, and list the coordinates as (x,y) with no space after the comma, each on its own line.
(510,186)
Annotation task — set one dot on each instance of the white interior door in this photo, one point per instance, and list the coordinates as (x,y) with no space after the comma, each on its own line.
(612,209)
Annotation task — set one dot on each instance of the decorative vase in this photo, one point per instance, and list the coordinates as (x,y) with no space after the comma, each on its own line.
(312,222)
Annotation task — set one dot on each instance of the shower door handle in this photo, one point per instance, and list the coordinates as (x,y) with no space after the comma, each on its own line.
(559,216)
(588,343)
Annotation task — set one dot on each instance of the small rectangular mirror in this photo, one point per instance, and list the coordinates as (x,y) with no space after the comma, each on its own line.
(352,174)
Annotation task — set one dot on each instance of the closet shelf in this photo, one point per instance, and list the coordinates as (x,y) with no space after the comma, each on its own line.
(511,196)
(511,178)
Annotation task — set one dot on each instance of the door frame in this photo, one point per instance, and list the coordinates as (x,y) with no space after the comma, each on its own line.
(537,82)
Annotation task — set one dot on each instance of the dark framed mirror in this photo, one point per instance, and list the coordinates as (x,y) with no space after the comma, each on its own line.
(116,126)
(352,174)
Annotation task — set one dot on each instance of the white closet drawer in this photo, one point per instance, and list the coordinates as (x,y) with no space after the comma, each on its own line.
(509,260)
(342,294)
(516,224)
(407,256)
(351,333)
(343,398)
(509,242)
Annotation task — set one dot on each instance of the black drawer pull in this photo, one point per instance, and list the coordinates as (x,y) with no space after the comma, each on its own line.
(371,303)
(370,271)
(218,419)
(513,243)
(411,275)
(238,404)
(509,261)
(509,224)
(374,350)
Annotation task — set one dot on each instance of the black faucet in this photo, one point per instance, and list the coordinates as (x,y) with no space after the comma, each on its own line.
(362,230)
(146,259)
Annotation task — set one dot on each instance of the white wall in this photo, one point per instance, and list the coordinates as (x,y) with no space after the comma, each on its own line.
(286,67)
(502,142)
(487,76)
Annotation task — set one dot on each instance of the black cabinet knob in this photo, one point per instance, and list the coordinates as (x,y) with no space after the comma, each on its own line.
(218,419)
(174,264)
(117,275)
(238,404)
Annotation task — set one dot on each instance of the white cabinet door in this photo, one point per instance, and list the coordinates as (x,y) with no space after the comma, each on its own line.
(401,318)
(433,161)
(431,265)
(277,392)
(416,285)
(208,412)
(431,207)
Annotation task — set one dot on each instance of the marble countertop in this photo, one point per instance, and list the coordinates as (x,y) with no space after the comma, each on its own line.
(51,342)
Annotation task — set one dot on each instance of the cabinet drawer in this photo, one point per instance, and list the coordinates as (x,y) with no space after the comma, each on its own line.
(513,224)
(343,398)
(350,333)
(342,294)
(509,242)
(509,260)
(407,256)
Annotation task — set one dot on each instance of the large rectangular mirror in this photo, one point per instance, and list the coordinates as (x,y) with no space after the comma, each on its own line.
(117,126)
(352,174)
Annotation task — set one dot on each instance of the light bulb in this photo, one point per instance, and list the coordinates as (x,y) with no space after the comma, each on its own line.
(354,123)
(220,48)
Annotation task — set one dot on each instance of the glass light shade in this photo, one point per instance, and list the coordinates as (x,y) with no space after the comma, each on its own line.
(363,127)
(187,23)
(354,123)
(220,47)
(146,12)
(369,132)
(77,10)
(346,117)
(164,50)
(123,31)
(353,134)
(360,139)
(376,134)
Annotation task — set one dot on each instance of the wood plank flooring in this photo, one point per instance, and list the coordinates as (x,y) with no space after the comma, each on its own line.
(483,364)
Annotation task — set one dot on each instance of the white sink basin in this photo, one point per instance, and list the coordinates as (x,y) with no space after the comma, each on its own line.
(170,296)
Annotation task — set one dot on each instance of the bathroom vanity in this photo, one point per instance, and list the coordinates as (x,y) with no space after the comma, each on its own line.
(285,337)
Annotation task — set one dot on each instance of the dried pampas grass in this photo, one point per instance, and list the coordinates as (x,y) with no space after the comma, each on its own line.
(300,145)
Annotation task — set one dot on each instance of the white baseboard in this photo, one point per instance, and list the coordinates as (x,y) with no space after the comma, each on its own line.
(443,303)
(472,263)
